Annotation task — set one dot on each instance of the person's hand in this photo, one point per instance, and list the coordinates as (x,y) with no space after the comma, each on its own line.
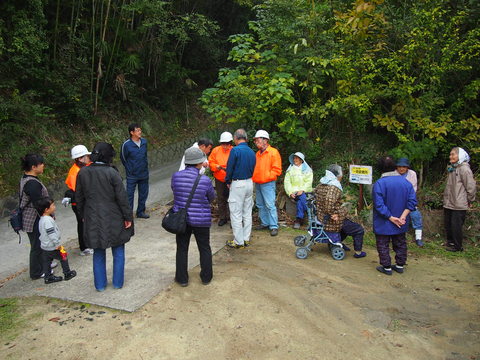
(218,167)
(299,193)
(397,221)
(66,201)
(403,219)
(292,195)
(334,217)
(205,164)
(228,186)
(127,224)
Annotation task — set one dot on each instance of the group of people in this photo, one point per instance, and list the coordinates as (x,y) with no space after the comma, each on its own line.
(103,206)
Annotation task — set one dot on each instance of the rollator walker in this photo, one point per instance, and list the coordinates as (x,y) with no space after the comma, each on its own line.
(316,234)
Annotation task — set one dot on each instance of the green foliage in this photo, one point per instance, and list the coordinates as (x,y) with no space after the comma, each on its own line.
(307,68)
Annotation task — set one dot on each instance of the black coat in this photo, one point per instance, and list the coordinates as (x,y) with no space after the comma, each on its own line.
(102,202)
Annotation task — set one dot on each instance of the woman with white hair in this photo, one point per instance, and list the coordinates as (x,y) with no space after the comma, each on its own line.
(333,215)
(298,180)
(458,197)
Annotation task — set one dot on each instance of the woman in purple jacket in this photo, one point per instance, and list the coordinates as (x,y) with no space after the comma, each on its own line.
(199,217)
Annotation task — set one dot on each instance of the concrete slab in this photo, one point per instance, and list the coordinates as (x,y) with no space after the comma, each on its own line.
(149,269)
(150,257)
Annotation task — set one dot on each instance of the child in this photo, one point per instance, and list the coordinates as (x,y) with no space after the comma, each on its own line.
(50,241)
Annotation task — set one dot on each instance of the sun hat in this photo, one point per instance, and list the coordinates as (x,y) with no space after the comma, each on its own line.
(194,156)
(262,134)
(298,154)
(226,137)
(79,150)
(403,162)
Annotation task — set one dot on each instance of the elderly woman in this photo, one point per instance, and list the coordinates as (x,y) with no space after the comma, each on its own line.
(199,217)
(333,215)
(458,197)
(298,181)
(108,219)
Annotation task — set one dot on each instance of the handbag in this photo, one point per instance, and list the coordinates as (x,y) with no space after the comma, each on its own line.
(176,222)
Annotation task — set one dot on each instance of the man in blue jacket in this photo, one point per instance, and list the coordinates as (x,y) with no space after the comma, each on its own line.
(133,154)
(393,198)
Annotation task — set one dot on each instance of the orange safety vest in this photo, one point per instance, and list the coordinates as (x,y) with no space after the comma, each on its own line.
(268,166)
(71,179)
(219,156)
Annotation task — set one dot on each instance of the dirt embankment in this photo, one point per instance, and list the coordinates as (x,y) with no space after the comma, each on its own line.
(265,304)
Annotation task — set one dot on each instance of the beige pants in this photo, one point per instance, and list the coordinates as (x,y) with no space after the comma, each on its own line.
(240,203)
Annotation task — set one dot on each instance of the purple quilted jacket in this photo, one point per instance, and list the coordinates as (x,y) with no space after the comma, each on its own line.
(199,213)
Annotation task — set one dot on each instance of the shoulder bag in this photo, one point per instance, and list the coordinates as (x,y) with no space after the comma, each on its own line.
(176,222)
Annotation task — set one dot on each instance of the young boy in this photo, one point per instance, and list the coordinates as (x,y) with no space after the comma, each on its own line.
(50,241)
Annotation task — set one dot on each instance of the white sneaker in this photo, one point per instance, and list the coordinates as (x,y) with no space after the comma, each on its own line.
(54,264)
(86,252)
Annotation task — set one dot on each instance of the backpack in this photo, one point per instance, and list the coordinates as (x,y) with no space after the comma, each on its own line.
(16,218)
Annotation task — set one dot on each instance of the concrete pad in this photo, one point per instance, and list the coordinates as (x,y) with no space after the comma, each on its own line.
(150,256)
(149,269)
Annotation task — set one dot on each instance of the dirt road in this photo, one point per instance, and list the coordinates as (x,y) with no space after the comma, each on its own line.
(265,304)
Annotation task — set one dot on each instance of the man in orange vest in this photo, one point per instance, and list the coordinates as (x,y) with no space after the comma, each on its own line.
(81,156)
(268,167)
(218,165)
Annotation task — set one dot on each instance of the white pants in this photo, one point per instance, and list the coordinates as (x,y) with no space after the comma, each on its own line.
(240,203)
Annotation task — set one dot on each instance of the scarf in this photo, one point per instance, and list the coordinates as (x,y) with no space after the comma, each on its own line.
(331,179)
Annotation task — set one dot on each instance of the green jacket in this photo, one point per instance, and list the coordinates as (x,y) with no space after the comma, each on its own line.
(296,179)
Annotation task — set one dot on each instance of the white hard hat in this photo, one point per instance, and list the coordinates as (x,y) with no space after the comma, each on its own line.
(79,150)
(226,137)
(262,134)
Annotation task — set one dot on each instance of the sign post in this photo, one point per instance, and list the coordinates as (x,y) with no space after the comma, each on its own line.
(360,174)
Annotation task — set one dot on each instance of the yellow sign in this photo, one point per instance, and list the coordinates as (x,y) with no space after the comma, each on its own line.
(360,174)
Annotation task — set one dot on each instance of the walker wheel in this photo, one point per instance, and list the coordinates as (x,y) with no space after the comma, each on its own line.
(300,240)
(301,253)
(337,252)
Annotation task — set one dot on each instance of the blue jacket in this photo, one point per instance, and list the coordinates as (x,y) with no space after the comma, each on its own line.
(198,213)
(134,159)
(241,163)
(391,196)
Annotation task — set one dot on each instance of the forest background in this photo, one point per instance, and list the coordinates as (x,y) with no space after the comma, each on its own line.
(342,81)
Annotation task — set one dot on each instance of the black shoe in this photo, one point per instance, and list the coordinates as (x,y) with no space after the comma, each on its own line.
(143,216)
(384,271)
(452,249)
(261,227)
(70,275)
(52,279)
(274,232)
(222,222)
(206,282)
(398,269)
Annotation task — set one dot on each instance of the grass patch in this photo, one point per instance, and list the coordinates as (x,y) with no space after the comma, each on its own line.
(10,319)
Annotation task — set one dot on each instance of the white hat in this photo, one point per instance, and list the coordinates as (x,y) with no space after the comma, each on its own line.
(79,150)
(226,137)
(262,134)
(194,156)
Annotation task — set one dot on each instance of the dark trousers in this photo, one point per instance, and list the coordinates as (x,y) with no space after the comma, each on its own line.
(48,256)
(399,244)
(222,200)
(202,236)
(142,193)
(350,228)
(454,220)
(35,251)
(81,243)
